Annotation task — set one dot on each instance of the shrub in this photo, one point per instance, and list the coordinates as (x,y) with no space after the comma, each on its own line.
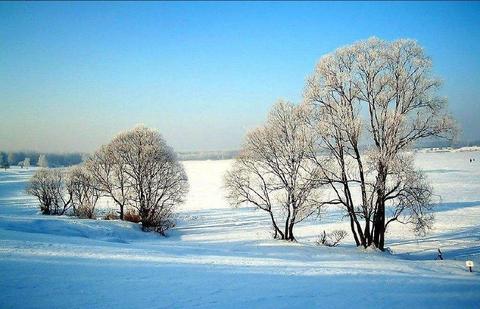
(85,211)
(132,216)
(159,222)
(111,215)
(331,239)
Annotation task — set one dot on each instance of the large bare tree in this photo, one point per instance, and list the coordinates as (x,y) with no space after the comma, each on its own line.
(155,179)
(381,95)
(274,172)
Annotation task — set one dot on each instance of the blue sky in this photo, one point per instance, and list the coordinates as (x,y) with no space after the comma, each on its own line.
(72,75)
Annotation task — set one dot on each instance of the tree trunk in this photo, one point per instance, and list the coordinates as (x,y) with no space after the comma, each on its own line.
(355,236)
(121,212)
(290,231)
(354,224)
(368,237)
(379,217)
(287,225)
(275,227)
(287,230)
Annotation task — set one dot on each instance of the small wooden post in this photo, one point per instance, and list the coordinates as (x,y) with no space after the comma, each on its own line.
(469,264)
(440,256)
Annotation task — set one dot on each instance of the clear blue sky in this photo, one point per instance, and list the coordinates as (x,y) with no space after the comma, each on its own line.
(74,74)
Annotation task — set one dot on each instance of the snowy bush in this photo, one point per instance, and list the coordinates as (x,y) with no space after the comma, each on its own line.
(85,212)
(111,215)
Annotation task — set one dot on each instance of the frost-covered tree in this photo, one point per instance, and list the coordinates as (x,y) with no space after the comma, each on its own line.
(84,192)
(49,187)
(381,94)
(156,181)
(109,173)
(274,173)
(42,161)
(26,163)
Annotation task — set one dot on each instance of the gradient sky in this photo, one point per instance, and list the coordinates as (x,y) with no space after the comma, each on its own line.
(72,75)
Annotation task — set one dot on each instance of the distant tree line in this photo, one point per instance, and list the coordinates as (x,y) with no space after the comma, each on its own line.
(13,158)
(207,155)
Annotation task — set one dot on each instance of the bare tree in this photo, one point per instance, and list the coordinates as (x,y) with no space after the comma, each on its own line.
(274,173)
(42,161)
(383,94)
(84,192)
(156,179)
(49,187)
(108,171)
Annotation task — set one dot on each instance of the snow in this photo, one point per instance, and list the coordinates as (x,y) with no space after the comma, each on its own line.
(221,257)
(449,149)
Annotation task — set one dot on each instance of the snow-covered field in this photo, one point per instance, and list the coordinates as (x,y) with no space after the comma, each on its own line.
(223,257)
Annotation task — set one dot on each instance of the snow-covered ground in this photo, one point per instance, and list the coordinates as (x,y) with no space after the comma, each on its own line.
(223,257)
